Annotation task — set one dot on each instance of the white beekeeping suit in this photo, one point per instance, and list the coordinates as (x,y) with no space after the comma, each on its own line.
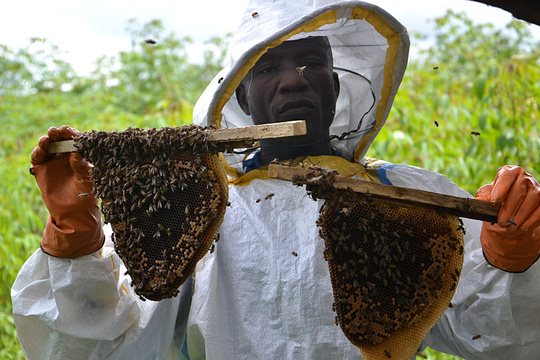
(265,292)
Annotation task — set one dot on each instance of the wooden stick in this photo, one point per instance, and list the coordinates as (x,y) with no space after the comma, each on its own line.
(254,132)
(453,205)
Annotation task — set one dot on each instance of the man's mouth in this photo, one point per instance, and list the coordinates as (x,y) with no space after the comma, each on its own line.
(296,106)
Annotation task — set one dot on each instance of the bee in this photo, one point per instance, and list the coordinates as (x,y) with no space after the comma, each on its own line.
(220,80)
(300,70)
(150,41)
(451,306)
(217,237)
(212,248)
(32,171)
(258,200)
(436,123)
(269,196)
(475,133)
(327,255)
(435,67)
(294,253)
(82,196)
(387,353)
(476,337)
(254,14)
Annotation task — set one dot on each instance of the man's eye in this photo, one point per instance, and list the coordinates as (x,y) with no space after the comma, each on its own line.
(313,63)
(267,69)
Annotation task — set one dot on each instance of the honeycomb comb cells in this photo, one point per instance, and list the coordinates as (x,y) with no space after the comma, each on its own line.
(164,192)
(393,267)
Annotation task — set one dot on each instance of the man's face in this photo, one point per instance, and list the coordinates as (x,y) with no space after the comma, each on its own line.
(293,81)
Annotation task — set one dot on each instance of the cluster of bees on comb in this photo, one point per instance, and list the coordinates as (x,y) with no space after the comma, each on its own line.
(388,262)
(164,193)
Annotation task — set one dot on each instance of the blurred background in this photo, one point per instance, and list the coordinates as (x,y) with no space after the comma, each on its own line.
(469,102)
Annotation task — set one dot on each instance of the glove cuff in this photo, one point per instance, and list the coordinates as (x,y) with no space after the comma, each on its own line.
(510,253)
(69,242)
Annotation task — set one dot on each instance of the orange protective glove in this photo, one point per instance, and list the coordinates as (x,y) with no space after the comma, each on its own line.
(74,225)
(513,243)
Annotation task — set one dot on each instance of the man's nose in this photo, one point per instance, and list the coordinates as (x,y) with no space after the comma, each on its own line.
(293,79)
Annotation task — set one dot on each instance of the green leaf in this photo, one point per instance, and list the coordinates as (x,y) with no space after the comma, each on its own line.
(505,141)
(482,120)
(445,102)
(479,87)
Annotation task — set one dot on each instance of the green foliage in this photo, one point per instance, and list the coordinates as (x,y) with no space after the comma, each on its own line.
(35,68)
(431,354)
(475,79)
(156,74)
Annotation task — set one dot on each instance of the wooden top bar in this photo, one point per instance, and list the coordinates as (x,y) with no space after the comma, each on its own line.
(463,207)
(254,132)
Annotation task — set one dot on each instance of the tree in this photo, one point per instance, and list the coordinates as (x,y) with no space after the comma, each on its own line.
(156,74)
(34,68)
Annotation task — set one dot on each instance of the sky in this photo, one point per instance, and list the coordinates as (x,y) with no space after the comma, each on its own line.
(84,30)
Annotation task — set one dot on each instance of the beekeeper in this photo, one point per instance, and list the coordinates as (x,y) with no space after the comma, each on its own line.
(265,292)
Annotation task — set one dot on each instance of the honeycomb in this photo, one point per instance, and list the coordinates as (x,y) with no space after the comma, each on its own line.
(164,192)
(394,268)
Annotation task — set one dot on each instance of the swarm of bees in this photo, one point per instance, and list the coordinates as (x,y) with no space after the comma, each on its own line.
(393,268)
(164,192)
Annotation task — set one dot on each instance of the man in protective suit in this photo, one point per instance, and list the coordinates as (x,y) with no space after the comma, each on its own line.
(338,66)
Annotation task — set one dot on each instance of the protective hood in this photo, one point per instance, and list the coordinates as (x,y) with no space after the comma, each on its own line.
(369,47)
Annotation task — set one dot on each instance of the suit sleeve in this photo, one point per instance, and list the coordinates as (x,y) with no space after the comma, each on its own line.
(86,308)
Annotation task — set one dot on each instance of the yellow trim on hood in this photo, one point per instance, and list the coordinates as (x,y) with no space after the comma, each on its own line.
(392,37)
(229,170)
